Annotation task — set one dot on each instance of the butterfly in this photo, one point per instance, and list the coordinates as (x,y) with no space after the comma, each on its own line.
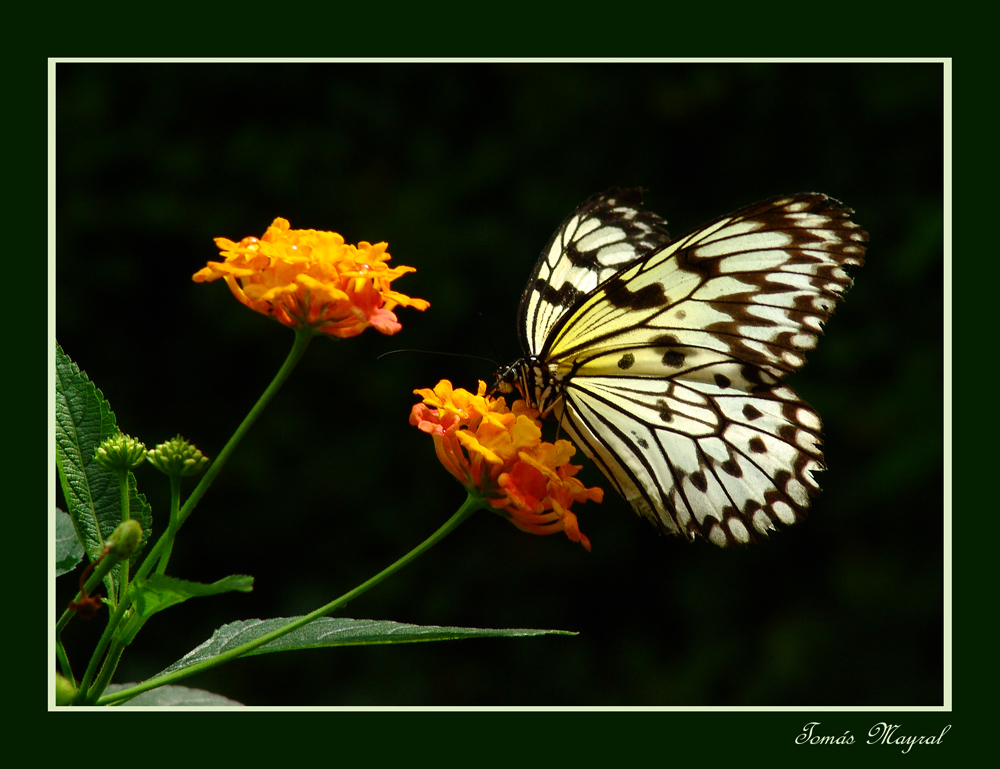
(665,360)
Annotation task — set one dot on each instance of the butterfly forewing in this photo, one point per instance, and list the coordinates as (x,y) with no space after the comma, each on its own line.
(669,371)
(606,233)
(756,285)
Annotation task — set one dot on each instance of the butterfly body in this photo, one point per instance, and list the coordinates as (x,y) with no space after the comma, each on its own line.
(664,361)
(537,383)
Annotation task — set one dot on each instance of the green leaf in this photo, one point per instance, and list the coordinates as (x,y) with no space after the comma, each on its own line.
(175,696)
(331,631)
(159,592)
(83,420)
(69,550)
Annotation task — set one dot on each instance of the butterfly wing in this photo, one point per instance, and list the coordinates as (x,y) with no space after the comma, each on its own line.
(672,368)
(603,235)
(697,459)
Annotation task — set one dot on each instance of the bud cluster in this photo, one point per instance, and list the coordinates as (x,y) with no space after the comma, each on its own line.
(177,457)
(120,452)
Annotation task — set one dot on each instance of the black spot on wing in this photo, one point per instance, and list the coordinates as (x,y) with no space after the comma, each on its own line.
(699,481)
(564,296)
(640,440)
(580,258)
(645,298)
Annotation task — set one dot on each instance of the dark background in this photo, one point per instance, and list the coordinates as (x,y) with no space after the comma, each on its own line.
(465,170)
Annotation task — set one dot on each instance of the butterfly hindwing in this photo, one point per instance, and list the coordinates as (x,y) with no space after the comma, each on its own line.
(696,458)
(603,235)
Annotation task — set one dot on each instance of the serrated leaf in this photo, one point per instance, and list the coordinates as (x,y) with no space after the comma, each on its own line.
(175,696)
(69,550)
(336,631)
(84,419)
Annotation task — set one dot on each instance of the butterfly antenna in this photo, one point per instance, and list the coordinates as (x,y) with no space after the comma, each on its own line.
(438,352)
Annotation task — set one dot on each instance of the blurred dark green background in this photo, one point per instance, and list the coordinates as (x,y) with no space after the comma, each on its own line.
(466,169)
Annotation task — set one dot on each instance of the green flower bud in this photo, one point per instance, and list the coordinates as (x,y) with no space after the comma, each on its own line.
(120,452)
(125,540)
(177,457)
(64,690)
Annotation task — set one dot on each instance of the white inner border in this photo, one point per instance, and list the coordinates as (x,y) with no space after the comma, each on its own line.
(947,531)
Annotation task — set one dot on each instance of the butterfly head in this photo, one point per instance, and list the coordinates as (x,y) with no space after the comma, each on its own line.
(509,379)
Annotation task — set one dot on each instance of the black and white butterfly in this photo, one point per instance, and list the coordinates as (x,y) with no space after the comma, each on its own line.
(664,361)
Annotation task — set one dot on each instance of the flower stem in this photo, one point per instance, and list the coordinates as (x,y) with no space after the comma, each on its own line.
(471,504)
(302,339)
(175,502)
(63,658)
(83,695)
(123,567)
(107,670)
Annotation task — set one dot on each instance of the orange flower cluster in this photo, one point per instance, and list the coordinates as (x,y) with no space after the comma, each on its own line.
(499,455)
(312,279)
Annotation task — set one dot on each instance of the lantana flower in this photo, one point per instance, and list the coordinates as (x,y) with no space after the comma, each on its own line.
(498,454)
(312,279)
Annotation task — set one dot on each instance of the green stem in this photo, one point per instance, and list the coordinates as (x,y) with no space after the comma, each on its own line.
(95,658)
(471,504)
(175,501)
(107,670)
(64,665)
(302,339)
(123,569)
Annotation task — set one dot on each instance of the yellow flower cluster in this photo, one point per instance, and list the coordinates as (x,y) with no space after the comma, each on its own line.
(312,279)
(498,453)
